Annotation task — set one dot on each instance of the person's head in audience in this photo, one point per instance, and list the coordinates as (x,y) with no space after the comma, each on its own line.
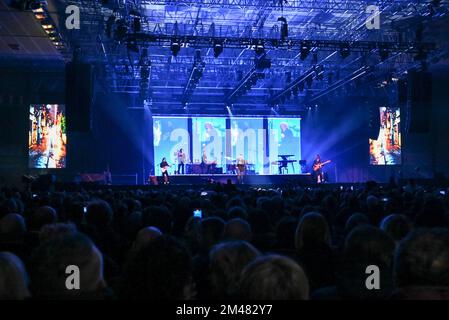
(49,263)
(99,214)
(433,214)
(161,270)
(312,230)
(210,231)
(397,226)
(12,226)
(145,236)
(285,233)
(227,261)
(238,229)
(369,244)
(422,259)
(237,212)
(13,278)
(355,220)
(56,230)
(274,277)
(159,217)
(260,221)
(42,216)
(8,206)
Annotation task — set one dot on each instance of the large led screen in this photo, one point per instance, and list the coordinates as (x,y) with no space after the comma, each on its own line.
(170,134)
(248,139)
(47,139)
(209,140)
(386,149)
(285,144)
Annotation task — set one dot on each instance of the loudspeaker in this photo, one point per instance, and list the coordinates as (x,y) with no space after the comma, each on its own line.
(402,91)
(420,93)
(373,122)
(79,96)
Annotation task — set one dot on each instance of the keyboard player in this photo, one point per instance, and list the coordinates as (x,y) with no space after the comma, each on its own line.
(283,163)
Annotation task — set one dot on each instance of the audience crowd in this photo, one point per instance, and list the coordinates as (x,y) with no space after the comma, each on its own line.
(250,243)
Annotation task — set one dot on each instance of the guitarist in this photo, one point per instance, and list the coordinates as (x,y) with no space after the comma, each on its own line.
(164,167)
(317,168)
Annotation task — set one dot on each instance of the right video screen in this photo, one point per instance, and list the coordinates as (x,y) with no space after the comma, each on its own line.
(386,149)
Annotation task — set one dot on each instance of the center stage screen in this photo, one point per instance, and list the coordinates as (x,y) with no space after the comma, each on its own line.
(386,150)
(209,140)
(285,139)
(47,137)
(248,139)
(170,134)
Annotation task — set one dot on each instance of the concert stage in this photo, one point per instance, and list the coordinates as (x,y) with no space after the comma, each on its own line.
(198,179)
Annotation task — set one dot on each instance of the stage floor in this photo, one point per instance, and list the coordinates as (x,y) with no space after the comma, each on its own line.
(196,179)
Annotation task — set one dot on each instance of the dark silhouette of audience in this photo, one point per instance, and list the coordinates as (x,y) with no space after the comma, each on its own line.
(250,243)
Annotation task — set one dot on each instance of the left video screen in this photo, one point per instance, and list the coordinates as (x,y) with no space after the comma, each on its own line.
(47,140)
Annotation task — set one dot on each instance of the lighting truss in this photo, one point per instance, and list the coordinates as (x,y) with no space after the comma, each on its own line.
(340,5)
(50,27)
(276,44)
(194,77)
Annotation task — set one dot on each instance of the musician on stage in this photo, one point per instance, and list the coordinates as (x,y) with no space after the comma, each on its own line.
(204,163)
(164,167)
(317,168)
(241,166)
(181,161)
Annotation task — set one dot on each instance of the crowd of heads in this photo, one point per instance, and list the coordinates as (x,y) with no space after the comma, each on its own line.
(291,243)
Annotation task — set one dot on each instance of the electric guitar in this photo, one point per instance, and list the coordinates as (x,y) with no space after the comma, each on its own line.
(318,166)
(164,169)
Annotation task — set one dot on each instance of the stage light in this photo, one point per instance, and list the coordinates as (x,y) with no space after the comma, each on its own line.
(315,58)
(304,51)
(345,51)
(175,47)
(197,56)
(121,30)
(383,53)
(284,28)
(260,49)
(35,5)
(309,81)
(137,25)
(218,49)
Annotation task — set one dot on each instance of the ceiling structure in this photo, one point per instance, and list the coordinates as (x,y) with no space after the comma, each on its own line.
(250,55)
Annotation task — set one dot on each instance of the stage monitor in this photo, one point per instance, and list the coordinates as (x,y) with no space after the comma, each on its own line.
(285,143)
(47,139)
(170,134)
(386,149)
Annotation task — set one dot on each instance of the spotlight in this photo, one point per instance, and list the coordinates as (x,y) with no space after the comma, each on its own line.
(218,49)
(175,47)
(344,51)
(305,50)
